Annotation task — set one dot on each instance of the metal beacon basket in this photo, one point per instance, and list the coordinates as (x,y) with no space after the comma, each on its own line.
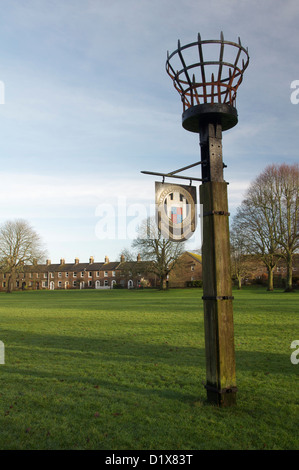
(208,86)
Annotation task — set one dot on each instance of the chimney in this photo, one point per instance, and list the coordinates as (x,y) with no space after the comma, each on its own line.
(106,259)
(34,262)
(91,260)
(62,261)
(138,257)
(122,259)
(76,260)
(48,262)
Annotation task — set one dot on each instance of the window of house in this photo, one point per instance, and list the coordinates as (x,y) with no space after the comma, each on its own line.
(37,275)
(192,268)
(30,284)
(59,284)
(74,283)
(74,274)
(90,274)
(3,284)
(45,275)
(66,274)
(82,273)
(17,284)
(59,274)
(52,275)
(113,273)
(44,284)
(106,274)
(98,273)
(89,283)
(30,275)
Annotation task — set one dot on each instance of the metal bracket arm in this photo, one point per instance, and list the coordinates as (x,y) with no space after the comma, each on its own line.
(169,175)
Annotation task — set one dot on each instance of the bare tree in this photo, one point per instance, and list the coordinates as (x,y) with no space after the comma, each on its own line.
(256,219)
(162,253)
(240,259)
(20,245)
(268,217)
(131,265)
(285,179)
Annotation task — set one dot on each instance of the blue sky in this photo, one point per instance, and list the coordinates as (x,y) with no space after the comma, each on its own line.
(88,105)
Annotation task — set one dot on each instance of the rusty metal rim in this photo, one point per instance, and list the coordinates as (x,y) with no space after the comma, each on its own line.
(193,93)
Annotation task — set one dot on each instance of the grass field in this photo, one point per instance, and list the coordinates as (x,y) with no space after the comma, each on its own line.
(122,369)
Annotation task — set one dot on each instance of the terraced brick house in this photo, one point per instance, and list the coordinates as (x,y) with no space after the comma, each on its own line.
(128,274)
(76,275)
(187,271)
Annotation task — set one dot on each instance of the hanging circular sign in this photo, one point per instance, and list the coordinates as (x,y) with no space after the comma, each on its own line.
(175,210)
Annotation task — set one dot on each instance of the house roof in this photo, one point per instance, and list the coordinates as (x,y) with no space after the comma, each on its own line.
(71,267)
(139,265)
(196,256)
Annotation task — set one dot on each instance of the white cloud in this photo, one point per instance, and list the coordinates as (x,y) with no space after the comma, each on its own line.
(53,195)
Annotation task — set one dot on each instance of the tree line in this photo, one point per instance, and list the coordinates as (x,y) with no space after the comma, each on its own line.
(266,223)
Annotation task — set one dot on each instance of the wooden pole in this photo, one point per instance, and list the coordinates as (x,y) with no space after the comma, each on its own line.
(217,285)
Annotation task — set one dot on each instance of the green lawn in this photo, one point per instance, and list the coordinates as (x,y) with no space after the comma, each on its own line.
(122,369)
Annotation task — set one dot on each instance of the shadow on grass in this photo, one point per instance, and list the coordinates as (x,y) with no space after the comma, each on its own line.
(134,351)
(88,384)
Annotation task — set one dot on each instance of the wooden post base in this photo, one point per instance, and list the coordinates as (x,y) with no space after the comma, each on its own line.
(222,399)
